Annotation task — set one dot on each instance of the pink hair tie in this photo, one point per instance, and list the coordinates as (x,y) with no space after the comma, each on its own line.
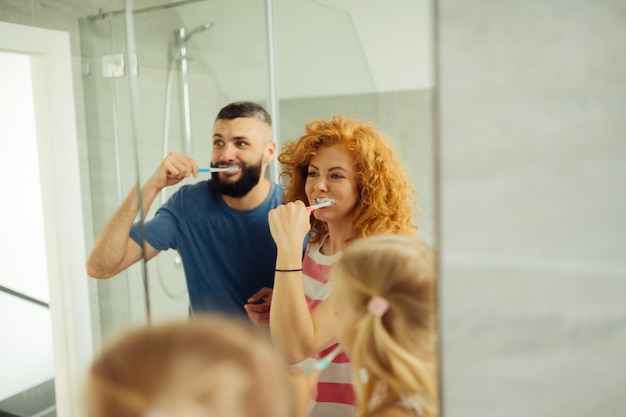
(377,306)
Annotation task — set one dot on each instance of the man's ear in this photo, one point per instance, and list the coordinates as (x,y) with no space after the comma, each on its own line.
(270,152)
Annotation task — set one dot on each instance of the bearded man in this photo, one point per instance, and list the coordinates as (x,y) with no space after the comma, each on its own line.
(219,226)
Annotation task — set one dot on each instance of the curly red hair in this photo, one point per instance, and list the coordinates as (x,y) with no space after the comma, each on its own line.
(387,202)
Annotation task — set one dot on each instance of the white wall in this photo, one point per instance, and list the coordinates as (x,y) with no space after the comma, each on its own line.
(384,29)
(533,180)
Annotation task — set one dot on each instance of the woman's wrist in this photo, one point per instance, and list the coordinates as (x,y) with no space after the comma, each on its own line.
(289,258)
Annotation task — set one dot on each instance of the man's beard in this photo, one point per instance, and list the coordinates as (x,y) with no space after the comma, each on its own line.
(248,178)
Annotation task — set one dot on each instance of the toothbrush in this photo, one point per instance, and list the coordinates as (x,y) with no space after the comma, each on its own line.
(321,203)
(228,169)
(323,363)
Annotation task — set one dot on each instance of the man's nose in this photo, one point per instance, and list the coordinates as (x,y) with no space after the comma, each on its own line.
(228,152)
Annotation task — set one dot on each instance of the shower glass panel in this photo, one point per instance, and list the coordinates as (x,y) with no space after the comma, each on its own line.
(191,59)
(111,168)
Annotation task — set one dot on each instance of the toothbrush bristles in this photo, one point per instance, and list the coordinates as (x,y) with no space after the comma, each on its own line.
(320,203)
(322,363)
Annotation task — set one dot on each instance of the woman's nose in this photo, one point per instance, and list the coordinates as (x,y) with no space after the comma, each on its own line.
(320,184)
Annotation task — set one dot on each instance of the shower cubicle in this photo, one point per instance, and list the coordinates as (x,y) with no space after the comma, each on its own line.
(155,79)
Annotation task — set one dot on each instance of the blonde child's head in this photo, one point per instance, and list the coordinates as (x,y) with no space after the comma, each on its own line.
(384,293)
(209,366)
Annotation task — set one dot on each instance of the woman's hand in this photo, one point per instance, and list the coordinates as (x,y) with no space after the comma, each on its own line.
(289,224)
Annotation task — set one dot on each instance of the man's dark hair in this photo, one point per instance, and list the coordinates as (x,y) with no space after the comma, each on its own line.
(244,109)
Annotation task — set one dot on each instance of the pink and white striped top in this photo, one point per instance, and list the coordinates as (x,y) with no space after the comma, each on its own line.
(335,395)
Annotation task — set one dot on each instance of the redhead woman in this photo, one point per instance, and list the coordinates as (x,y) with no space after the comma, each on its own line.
(352,165)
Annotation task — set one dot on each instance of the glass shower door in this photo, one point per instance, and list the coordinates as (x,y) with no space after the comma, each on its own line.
(190,60)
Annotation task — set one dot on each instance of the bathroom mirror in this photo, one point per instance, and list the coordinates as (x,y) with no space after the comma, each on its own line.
(301,59)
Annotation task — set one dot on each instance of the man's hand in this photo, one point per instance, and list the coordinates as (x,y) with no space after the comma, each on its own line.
(172,170)
(258,307)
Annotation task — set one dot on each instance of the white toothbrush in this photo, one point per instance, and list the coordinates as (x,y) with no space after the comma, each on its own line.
(320,203)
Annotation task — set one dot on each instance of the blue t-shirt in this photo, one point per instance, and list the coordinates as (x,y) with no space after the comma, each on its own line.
(227,254)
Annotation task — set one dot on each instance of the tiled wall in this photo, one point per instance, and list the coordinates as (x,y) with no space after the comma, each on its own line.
(533,182)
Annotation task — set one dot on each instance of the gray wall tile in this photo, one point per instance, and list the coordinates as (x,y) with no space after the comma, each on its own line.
(533,143)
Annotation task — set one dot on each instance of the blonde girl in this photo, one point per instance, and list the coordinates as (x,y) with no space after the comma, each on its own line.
(384,294)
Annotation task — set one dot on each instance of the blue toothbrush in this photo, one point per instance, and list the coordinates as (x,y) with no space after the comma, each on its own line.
(323,363)
(229,169)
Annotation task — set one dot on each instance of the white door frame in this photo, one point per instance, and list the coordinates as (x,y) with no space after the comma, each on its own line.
(49,51)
